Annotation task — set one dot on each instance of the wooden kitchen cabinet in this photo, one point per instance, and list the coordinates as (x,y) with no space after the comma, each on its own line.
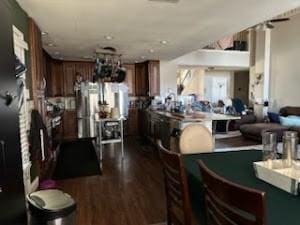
(141,79)
(154,77)
(69,70)
(86,69)
(55,79)
(36,60)
(132,122)
(70,125)
(130,78)
(147,78)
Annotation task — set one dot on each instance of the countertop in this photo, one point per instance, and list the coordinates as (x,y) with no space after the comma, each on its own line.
(198,117)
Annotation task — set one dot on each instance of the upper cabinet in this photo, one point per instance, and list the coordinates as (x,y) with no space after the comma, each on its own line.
(86,69)
(147,78)
(61,76)
(55,79)
(69,78)
(130,78)
(141,79)
(154,78)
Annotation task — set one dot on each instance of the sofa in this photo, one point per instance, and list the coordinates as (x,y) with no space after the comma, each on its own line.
(255,130)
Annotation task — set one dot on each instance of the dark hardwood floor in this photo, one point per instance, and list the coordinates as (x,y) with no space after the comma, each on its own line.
(235,142)
(130,191)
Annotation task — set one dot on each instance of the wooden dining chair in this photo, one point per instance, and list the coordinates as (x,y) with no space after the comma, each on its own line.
(196,138)
(228,203)
(177,194)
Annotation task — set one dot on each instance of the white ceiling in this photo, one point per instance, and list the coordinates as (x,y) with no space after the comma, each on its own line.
(77,27)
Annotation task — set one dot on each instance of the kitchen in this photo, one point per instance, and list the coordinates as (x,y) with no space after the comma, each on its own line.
(94,97)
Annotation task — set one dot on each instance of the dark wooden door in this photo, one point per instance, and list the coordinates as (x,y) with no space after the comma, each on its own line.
(241,86)
(12,199)
(69,78)
(141,79)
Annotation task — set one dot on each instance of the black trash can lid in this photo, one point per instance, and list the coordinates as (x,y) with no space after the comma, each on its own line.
(52,200)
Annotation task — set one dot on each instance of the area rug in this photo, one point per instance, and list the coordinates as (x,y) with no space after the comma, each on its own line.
(76,159)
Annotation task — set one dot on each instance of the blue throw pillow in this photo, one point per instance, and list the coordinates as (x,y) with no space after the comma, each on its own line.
(274,117)
(291,121)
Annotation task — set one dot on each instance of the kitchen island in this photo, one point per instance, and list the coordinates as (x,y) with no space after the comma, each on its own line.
(167,126)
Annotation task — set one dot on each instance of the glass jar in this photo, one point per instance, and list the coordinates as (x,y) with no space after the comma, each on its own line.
(289,150)
(269,153)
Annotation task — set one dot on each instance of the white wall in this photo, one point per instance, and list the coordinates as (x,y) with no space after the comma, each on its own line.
(215,58)
(285,64)
(196,84)
(200,58)
(168,75)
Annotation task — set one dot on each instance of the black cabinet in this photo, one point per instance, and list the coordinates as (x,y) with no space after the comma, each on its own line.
(12,199)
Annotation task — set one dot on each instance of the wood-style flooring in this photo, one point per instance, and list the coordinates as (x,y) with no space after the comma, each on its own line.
(130,191)
(235,142)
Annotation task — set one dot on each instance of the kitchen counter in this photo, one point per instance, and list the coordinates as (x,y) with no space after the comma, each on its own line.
(167,126)
(199,117)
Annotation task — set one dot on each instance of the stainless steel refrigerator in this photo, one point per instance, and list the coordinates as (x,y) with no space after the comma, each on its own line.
(87,106)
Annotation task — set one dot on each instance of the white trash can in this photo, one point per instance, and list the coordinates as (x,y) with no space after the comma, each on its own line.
(51,207)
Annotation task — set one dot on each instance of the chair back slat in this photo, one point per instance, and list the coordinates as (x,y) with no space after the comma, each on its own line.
(177,195)
(228,203)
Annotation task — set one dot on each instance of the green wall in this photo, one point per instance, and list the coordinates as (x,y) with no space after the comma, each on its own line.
(20,20)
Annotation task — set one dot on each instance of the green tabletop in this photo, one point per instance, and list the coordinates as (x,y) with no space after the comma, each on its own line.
(282,208)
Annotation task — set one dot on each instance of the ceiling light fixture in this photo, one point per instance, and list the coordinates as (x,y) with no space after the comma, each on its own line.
(44,33)
(56,53)
(151,50)
(142,57)
(50,45)
(108,37)
(164,42)
(167,1)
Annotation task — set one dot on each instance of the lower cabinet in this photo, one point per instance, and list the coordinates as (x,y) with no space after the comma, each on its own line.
(131,125)
(70,130)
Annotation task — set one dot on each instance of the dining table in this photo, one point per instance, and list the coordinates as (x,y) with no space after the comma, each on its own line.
(282,208)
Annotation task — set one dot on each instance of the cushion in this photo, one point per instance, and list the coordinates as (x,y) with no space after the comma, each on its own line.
(290,121)
(286,111)
(196,138)
(238,105)
(255,130)
(274,117)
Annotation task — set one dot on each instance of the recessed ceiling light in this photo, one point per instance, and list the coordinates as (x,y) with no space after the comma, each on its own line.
(44,33)
(108,37)
(164,42)
(151,50)
(50,44)
(167,1)
(56,53)
(142,57)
